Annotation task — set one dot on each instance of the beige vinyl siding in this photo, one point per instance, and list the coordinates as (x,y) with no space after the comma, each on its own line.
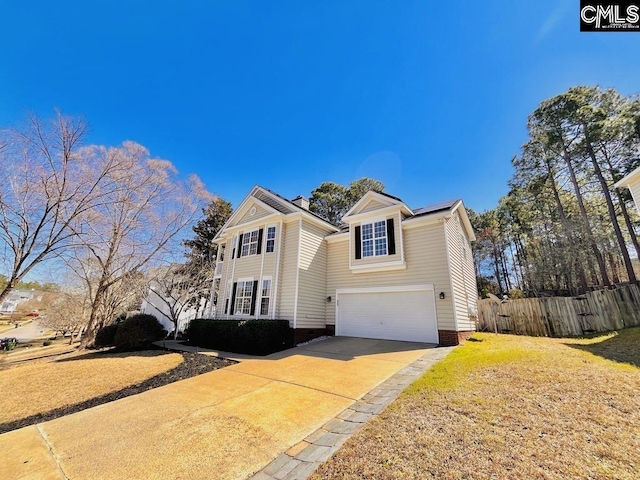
(247,267)
(635,193)
(426,258)
(462,273)
(227,272)
(312,277)
(250,266)
(372,205)
(247,217)
(285,303)
(381,259)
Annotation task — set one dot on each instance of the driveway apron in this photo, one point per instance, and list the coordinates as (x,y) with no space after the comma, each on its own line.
(226,424)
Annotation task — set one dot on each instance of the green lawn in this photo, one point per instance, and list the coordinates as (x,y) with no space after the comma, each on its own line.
(505,406)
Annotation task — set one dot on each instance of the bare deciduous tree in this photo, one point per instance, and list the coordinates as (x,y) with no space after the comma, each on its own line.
(45,188)
(177,289)
(68,314)
(143,212)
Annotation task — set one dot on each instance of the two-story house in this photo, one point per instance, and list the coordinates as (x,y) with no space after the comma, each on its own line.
(389,272)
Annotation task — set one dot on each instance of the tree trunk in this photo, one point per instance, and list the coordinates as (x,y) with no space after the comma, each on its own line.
(505,273)
(582,278)
(623,207)
(614,267)
(612,212)
(628,223)
(94,320)
(496,264)
(585,216)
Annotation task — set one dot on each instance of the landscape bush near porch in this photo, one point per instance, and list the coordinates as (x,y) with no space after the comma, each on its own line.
(255,337)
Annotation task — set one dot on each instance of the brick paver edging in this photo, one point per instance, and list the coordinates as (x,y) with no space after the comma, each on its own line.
(301,460)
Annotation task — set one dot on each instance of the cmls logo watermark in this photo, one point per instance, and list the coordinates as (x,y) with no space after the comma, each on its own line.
(609,17)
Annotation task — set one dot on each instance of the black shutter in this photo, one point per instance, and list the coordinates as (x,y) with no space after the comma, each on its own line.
(239,245)
(233,298)
(391,237)
(260,232)
(358,243)
(253,297)
(226,306)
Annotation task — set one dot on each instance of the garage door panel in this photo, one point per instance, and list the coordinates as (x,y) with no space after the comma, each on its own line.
(396,315)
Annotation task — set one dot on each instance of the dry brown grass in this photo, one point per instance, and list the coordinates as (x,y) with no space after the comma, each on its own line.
(40,386)
(510,407)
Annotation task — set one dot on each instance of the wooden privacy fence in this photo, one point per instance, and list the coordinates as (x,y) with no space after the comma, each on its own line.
(598,311)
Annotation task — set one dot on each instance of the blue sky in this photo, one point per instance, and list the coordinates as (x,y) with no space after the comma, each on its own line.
(432,100)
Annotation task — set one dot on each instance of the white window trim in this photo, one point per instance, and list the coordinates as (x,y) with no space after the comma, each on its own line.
(379,267)
(259,305)
(266,238)
(233,307)
(248,234)
(373,238)
(227,297)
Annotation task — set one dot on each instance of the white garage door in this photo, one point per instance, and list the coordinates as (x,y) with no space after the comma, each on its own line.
(402,313)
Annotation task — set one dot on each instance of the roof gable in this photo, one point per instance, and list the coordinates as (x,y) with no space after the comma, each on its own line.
(249,210)
(372,202)
(266,204)
(628,179)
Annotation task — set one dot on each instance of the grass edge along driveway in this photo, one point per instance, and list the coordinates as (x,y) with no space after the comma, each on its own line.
(504,406)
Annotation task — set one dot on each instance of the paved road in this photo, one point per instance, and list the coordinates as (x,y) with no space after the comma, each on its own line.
(28,333)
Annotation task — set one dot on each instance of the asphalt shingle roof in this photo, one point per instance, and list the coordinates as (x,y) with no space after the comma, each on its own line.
(436,207)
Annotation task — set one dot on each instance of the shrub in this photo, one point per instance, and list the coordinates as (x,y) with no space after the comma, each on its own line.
(254,337)
(105,337)
(46,343)
(138,332)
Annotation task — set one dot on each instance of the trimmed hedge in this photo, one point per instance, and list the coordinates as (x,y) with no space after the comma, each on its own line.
(254,337)
(105,337)
(138,332)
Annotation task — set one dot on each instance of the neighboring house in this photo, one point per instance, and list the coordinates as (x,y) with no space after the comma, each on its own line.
(154,304)
(632,181)
(15,298)
(389,272)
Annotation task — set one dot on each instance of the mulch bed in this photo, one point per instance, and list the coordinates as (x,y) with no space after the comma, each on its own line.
(192,365)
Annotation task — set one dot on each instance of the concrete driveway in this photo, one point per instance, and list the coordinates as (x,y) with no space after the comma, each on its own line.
(226,424)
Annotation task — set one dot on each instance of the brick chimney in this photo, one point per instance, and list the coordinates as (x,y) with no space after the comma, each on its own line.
(301,201)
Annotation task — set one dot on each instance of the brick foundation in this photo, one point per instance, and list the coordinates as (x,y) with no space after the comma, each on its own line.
(301,335)
(449,338)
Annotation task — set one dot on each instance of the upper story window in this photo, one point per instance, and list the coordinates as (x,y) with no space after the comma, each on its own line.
(374,239)
(271,239)
(249,243)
